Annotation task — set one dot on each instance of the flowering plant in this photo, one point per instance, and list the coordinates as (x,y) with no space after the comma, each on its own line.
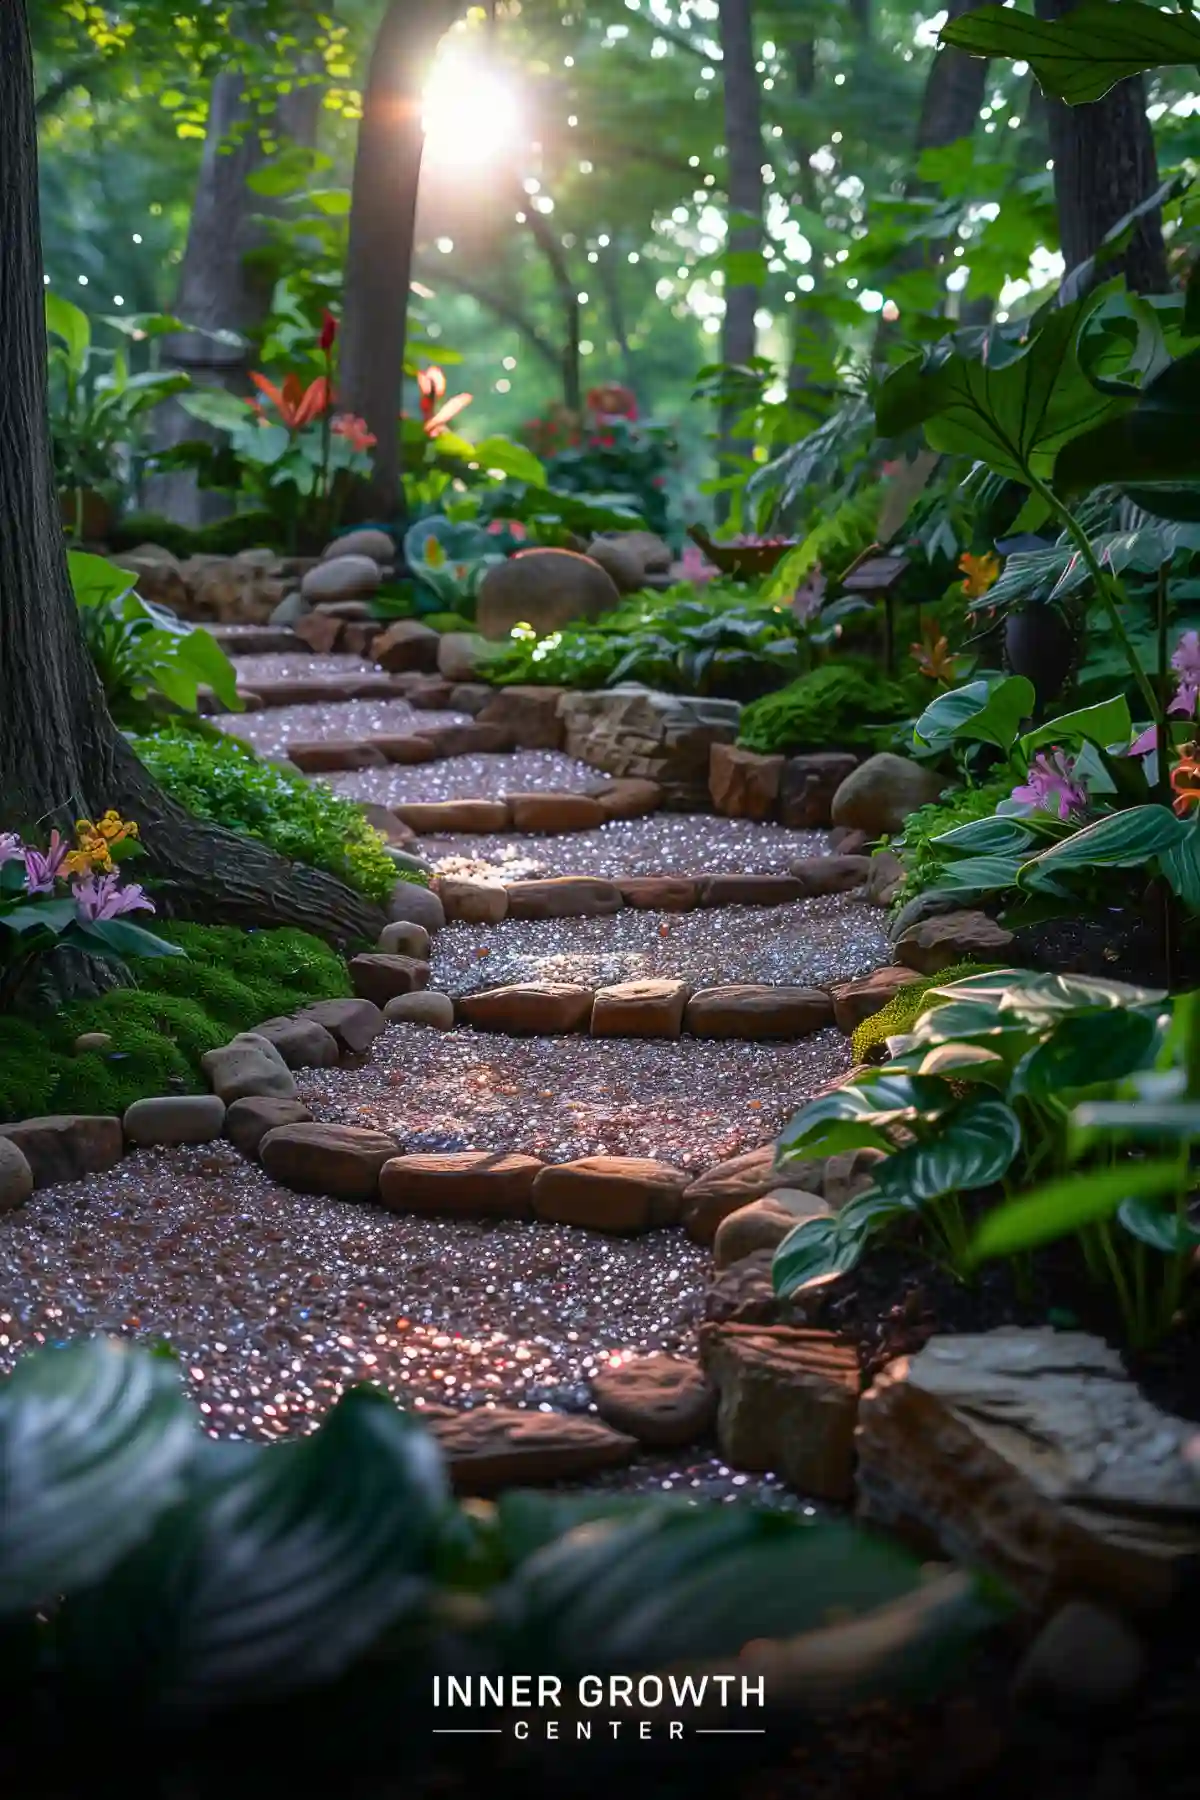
(608,452)
(289,438)
(71,893)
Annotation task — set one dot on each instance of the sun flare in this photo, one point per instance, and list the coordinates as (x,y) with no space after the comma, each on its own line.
(472,114)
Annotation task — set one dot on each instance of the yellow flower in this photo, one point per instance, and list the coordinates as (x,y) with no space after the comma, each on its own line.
(115,829)
(981,573)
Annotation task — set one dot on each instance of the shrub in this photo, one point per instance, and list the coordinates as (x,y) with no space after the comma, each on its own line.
(837,705)
(225,537)
(904,1009)
(922,862)
(220,780)
(231,979)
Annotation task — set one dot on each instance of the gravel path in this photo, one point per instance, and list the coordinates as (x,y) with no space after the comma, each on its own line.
(275,1302)
(662,844)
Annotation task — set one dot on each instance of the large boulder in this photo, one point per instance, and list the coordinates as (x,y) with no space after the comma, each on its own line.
(460,654)
(1032,1453)
(341,578)
(610,1193)
(765,1223)
(618,559)
(341,1161)
(743,784)
(788,1402)
(405,646)
(807,787)
(232,592)
(528,716)
(663,738)
(939,943)
(546,589)
(878,795)
(16,1176)
(66,1146)
(159,576)
(366,541)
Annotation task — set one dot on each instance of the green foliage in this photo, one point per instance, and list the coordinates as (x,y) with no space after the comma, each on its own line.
(1007,1078)
(922,860)
(904,1008)
(338,1568)
(142,652)
(840,705)
(720,640)
(227,981)
(1081,56)
(447,562)
(447,621)
(220,780)
(224,537)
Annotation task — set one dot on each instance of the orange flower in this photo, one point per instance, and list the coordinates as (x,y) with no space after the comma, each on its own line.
(354,430)
(431,383)
(981,572)
(1185,779)
(296,404)
(95,842)
(932,656)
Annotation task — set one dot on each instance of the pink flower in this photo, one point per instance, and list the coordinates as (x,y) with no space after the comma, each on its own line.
(1186,663)
(103,897)
(10,846)
(1053,786)
(43,868)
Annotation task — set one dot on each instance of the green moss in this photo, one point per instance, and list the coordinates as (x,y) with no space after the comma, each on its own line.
(161,1027)
(904,1009)
(225,537)
(922,862)
(447,621)
(839,704)
(219,779)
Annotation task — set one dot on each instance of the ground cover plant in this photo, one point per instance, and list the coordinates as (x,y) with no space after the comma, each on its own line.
(219,779)
(221,980)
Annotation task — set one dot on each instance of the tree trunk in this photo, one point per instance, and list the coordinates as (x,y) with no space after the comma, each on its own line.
(950,107)
(568,299)
(744,152)
(61,757)
(1104,166)
(383,218)
(222,287)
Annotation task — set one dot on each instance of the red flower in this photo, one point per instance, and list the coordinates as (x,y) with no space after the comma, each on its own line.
(329,331)
(431,383)
(354,430)
(296,405)
(612,401)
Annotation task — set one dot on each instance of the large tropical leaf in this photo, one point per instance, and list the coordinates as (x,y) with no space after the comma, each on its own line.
(1064,1206)
(1079,57)
(984,711)
(857,1115)
(1150,442)
(1008,403)
(95,1445)
(279,1569)
(1121,840)
(974,1146)
(1085,1048)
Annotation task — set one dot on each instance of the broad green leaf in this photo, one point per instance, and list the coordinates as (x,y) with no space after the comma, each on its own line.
(987,712)
(1085,1048)
(987,837)
(1079,57)
(513,460)
(70,323)
(816,1251)
(1122,840)
(213,406)
(282,1566)
(963,1062)
(1078,280)
(1141,1121)
(95,581)
(1165,1231)
(974,1146)
(1064,1206)
(1013,407)
(39,915)
(95,1443)
(857,1115)
(1180,865)
(122,938)
(978,875)
(1151,441)
(1108,723)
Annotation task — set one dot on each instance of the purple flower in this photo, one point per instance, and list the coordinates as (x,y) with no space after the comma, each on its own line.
(43,868)
(1053,786)
(1186,663)
(10,846)
(104,898)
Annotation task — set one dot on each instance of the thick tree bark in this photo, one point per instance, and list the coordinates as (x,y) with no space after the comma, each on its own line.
(744,186)
(568,299)
(1104,166)
(222,286)
(61,757)
(383,217)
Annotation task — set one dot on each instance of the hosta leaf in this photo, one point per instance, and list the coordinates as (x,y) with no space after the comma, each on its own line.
(986,712)
(1151,1224)
(1085,1048)
(1106,724)
(816,1251)
(974,1147)
(1063,1206)
(987,837)
(284,1564)
(857,1115)
(1121,840)
(95,1443)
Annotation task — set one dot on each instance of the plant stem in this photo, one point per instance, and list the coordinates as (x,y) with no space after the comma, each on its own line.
(1082,543)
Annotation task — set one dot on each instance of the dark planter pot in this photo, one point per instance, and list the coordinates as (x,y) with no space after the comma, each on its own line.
(1040,645)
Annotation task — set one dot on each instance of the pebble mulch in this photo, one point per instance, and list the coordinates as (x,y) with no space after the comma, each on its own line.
(272,730)
(472,777)
(806,944)
(276,1302)
(663,844)
(297,665)
(691,1103)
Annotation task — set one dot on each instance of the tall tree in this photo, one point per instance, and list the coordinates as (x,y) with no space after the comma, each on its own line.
(61,756)
(744,188)
(1104,166)
(223,285)
(383,215)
